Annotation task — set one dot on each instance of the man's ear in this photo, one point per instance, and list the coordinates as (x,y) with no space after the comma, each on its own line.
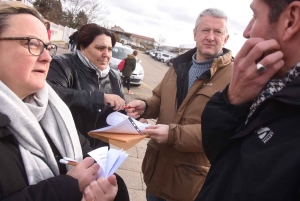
(226,39)
(195,32)
(292,21)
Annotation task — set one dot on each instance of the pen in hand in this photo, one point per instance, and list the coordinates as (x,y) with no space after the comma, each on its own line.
(68,161)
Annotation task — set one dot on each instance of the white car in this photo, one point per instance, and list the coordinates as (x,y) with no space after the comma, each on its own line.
(164,56)
(120,52)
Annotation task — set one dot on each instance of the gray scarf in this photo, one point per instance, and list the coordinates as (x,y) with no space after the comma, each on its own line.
(39,112)
(274,86)
(100,73)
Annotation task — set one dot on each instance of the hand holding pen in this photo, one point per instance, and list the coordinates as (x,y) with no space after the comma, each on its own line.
(100,189)
(114,101)
(85,172)
(135,108)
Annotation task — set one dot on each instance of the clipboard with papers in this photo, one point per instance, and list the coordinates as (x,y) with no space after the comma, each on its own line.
(124,132)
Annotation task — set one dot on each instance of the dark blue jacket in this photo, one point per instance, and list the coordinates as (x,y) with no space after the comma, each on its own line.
(257,162)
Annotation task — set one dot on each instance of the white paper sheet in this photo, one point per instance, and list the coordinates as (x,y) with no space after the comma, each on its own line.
(119,123)
(109,160)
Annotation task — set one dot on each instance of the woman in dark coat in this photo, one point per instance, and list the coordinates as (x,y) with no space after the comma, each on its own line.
(88,86)
(130,64)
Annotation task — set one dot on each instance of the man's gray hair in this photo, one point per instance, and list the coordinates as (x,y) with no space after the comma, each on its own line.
(213,12)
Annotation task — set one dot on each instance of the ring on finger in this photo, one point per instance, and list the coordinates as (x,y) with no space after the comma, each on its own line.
(260,68)
(94,172)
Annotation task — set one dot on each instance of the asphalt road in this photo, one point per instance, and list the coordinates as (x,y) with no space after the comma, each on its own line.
(154,72)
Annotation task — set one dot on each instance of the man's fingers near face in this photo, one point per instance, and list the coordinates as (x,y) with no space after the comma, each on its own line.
(248,46)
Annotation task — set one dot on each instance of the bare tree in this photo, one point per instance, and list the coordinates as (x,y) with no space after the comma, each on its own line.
(161,41)
(49,9)
(95,12)
(73,13)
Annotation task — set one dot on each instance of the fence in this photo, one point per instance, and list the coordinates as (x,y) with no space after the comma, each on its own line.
(60,33)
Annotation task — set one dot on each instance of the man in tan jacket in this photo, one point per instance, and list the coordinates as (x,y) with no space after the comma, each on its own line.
(175,165)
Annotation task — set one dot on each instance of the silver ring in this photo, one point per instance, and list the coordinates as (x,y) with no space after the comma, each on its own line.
(260,68)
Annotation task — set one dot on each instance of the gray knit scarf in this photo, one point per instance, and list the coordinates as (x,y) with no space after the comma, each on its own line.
(274,86)
(86,61)
(43,110)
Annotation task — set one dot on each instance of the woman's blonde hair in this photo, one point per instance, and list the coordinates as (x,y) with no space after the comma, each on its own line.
(9,8)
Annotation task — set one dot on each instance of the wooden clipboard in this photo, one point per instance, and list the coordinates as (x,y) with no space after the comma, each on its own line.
(121,140)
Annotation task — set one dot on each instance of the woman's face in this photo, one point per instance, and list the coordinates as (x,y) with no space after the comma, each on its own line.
(21,71)
(99,51)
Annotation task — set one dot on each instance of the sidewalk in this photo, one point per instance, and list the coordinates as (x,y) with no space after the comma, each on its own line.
(130,170)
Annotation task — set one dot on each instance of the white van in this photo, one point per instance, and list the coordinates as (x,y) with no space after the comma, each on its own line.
(119,53)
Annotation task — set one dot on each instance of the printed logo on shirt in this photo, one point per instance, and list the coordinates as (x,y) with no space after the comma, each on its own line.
(265,134)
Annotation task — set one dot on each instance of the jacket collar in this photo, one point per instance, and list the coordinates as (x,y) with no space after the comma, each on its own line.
(290,93)
(219,62)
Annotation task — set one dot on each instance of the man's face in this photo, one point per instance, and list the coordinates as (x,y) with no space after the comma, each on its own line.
(260,26)
(210,37)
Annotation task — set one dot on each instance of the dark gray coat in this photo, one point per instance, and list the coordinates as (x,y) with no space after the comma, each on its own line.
(80,88)
(130,64)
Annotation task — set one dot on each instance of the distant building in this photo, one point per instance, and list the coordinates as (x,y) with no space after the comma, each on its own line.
(117,28)
(142,39)
(132,39)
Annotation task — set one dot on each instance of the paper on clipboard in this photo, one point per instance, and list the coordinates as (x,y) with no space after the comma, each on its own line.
(120,123)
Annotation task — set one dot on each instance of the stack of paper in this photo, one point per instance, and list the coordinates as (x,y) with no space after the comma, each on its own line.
(109,160)
(123,132)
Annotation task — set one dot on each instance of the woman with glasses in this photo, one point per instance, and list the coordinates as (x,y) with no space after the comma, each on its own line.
(36,127)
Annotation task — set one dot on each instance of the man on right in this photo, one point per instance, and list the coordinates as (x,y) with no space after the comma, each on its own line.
(250,130)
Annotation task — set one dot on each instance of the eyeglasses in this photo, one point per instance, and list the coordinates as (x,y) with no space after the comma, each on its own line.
(35,46)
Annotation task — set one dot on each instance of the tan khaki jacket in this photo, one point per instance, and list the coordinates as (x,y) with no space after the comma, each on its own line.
(177,170)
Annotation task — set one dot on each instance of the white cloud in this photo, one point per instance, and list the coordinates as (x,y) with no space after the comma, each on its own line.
(175,19)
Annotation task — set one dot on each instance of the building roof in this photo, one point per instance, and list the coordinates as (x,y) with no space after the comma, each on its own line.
(117,28)
(143,37)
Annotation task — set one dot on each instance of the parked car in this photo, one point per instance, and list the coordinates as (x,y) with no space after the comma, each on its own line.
(169,63)
(148,51)
(164,56)
(153,53)
(120,52)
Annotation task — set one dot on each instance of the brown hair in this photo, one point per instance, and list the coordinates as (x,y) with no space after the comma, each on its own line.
(47,24)
(276,8)
(135,52)
(10,8)
(89,32)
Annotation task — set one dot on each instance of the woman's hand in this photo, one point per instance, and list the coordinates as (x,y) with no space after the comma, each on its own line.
(101,190)
(85,172)
(114,101)
(136,108)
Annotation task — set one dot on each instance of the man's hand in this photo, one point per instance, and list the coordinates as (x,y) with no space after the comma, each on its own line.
(101,190)
(246,82)
(114,101)
(136,108)
(159,132)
